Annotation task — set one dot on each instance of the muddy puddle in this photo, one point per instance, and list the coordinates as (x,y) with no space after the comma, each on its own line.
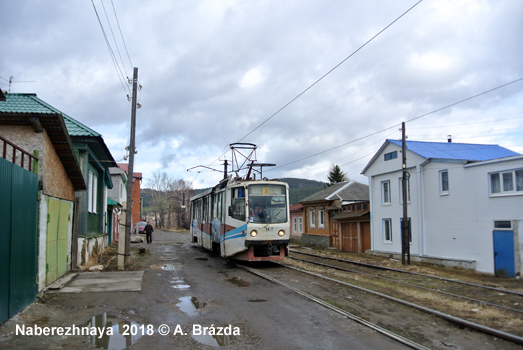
(214,340)
(191,305)
(179,283)
(119,333)
(238,282)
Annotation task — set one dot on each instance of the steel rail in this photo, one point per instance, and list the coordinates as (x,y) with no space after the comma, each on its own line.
(353,317)
(508,336)
(409,272)
(411,284)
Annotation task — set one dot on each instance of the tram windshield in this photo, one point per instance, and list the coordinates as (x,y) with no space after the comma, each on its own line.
(267,204)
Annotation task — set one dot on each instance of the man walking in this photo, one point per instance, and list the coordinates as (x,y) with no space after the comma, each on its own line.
(149,232)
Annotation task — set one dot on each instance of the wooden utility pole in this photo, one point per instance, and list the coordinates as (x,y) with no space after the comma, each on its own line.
(405,241)
(130,178)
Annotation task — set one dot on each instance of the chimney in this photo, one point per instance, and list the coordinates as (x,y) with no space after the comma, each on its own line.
(449,138)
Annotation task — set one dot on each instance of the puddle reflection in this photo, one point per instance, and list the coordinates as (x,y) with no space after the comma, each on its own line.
(213,340)
(190,305)
(181,286)
(122,332)
(169,267)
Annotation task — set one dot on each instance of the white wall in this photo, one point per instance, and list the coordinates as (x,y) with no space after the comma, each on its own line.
(380,171)
(457,225)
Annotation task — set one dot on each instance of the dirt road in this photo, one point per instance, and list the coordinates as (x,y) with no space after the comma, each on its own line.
(198,300)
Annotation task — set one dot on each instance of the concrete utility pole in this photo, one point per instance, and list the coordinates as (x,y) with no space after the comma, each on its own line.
(405,241)
(130,178)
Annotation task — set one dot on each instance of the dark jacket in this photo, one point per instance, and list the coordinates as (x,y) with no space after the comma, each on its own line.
(148,229)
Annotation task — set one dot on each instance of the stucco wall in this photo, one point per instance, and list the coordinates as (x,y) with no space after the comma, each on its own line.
(55,181)
(24,137)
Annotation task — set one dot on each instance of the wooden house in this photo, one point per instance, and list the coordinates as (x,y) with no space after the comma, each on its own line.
(326,222)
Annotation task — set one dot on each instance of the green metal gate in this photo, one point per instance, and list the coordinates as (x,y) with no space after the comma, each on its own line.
(18,238)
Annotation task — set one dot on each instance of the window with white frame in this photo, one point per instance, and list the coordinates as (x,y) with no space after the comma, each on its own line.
(387,230)
(385,192)
(294,225)
(92,193)
(391,155)
(401,190)
(321,218)
(503,225)
(506,182)
(300,225)
(312,218)
(444,182)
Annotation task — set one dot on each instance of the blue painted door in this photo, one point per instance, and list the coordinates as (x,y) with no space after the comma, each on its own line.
(504,254)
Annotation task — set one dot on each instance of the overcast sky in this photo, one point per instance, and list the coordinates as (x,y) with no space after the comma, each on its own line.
(214,71)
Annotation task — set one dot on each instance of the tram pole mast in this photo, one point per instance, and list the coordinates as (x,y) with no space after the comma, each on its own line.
(405,241)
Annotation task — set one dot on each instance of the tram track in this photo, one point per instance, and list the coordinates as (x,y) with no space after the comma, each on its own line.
(439,291)
(337,300)
(340,311)
(474,320)
(406,272)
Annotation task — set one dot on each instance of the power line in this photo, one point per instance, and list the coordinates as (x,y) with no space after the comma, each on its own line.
(321,78)
(474,123)
(112,33)
(396,125)
(121,76)
(330,71)
(121,34)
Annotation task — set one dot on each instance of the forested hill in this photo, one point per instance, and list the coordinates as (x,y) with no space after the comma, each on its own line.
(298,188)
(302,188)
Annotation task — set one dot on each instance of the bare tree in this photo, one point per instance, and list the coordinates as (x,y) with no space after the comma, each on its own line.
(170,200)
(159,184)
(181,191)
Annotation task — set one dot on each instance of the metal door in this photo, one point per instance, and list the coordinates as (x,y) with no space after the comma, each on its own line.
(18,246)
(57,259)
(504,264)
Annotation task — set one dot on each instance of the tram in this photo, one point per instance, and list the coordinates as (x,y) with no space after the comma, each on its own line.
(243,219)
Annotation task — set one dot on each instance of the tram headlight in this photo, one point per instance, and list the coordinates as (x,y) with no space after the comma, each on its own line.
(254,233)
(281,233)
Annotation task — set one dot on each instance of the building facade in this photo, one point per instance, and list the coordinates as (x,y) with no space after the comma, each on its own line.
(459,196)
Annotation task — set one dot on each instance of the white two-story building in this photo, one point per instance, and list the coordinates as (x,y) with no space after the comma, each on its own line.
(465,204)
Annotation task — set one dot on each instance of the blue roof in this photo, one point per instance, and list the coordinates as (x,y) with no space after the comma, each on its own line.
(456,151)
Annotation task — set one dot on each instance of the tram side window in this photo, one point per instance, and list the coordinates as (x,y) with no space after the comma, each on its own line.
(219,208)
(214,206)
(237,208)
(197,210)
(205,211)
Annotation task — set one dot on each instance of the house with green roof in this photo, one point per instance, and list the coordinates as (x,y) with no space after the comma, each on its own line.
(464,204)
(39,232)
(95,160)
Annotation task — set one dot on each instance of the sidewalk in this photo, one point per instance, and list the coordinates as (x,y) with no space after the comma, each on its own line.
(116,299)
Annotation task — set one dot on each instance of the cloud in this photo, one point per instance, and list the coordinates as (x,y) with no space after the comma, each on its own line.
(217,72)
